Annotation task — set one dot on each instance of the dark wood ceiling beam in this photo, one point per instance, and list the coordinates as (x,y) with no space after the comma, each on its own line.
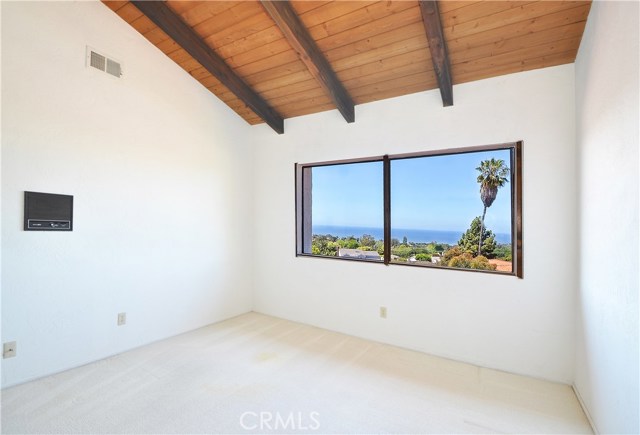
(299,38)
(183,35)
(438,48)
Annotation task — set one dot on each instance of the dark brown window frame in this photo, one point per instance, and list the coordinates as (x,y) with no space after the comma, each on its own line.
(303,204)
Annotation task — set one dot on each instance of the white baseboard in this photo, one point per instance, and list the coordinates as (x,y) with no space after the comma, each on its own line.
(584,409)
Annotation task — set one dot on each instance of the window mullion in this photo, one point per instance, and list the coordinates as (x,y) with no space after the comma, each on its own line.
(386,168)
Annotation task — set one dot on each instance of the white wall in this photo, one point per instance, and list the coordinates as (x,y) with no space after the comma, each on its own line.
(523,326)
(607,136)
(163,200)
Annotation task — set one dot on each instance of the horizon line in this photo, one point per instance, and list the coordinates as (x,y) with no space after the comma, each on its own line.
(398,229)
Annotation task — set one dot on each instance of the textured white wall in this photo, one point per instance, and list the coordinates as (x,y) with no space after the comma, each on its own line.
(607,99)
(522,326)
(157,167)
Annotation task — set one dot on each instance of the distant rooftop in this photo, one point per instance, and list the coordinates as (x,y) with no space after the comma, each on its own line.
(360,254)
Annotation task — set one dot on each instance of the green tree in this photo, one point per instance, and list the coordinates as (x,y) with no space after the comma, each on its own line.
(322,246)
(348,242)
(431,248)
(493,175)
(367,241)
(379,247)
(404,240)
(503,252)
(402,251)
(470,240)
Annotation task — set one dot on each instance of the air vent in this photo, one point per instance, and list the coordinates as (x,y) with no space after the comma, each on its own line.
(103,63)
(97,61)
(113,68)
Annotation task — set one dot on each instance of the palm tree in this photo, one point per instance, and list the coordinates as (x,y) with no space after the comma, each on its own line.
(493,175)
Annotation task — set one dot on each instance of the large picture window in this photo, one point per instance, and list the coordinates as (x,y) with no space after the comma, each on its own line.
(450,209)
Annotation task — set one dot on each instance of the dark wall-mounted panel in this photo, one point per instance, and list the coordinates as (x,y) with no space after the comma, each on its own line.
(48,212)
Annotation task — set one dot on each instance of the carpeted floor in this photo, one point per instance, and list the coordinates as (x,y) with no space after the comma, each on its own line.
(256,373)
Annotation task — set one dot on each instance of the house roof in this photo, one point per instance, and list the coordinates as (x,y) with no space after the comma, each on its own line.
(269,61)
(358,253)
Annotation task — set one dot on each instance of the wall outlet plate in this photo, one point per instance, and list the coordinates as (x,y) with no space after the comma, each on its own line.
(9,349)
(122,319)
(383,312)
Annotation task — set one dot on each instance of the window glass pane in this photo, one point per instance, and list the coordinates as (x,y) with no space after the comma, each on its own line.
(453,210)
(437,210)
(346,203)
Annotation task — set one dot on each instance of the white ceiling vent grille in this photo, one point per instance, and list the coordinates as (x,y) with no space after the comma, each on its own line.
(103,63)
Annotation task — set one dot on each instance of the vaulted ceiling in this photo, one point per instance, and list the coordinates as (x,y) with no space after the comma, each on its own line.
(273,60)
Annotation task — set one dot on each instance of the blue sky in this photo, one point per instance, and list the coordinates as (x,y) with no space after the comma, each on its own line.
(347,195)
(431,193)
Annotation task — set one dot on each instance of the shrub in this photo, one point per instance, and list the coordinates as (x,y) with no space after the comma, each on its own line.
(449,254)
(462,261)
(402,251)
(481,263)
(423,257)
(467,261)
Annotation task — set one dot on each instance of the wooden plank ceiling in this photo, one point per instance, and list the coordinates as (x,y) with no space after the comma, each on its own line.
(374,49)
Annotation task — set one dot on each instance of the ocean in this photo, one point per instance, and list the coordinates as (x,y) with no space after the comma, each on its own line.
(412,235)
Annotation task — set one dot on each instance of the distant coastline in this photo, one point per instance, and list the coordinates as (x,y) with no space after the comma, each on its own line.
(412,235)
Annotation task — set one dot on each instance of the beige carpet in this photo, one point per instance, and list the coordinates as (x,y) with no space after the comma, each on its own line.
(256,373)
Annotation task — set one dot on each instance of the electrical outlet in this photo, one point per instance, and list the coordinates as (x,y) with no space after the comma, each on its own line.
(9,349)
(383,312)
(122,319)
